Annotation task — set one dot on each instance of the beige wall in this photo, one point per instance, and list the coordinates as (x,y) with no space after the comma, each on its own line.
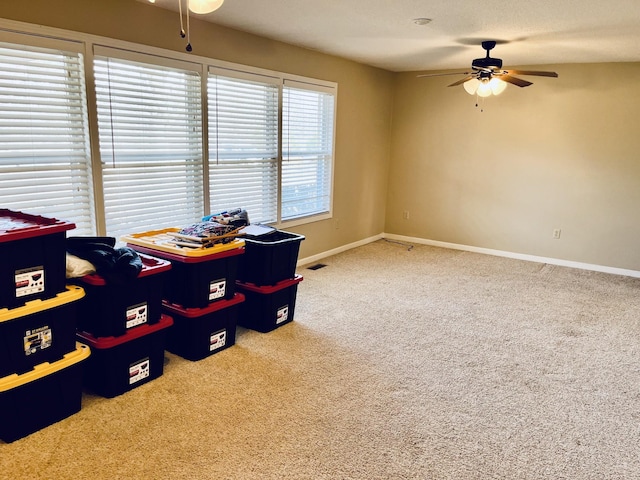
(562,153)
(364,97)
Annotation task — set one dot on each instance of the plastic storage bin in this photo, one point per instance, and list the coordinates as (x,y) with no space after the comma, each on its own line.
(269,258)
(43,396)
(120,364)
(109,310)
(200,332)
(40,331)
(269,307)
(33,253)
(198,276)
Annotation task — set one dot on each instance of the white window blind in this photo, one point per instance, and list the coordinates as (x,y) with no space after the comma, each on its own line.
(44,146)
(150,130)
(243,146)
(307,150)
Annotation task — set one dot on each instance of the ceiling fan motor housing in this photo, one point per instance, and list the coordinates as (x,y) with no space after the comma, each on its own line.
(487,62)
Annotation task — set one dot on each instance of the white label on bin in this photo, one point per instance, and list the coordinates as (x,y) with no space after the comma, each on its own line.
(36,340)
(217,340)
(138,371)
(136,315)
(29,281)
(217,289)
(282,314)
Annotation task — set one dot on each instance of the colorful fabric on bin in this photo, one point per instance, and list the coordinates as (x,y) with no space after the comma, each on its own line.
(206,229)
(115,265)
(236,217)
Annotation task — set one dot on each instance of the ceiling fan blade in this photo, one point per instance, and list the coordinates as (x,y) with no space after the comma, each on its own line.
(515,81)
(461,81)
(442,74)
(531,72)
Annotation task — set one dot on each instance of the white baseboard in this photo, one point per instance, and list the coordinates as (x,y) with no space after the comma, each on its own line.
(344,248)
(518,256)
(468,248)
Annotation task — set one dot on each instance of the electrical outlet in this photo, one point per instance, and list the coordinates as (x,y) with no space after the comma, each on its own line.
(405,214)
(556,233)
(337,223)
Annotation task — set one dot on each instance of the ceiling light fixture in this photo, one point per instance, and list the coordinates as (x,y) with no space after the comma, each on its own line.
(202,7)
(485,87)
(422,21)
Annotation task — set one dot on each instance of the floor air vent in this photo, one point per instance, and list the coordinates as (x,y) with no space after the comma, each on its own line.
(317,266)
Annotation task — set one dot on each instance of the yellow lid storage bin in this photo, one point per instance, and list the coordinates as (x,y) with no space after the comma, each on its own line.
(41,397)
(39,331)
(163,241)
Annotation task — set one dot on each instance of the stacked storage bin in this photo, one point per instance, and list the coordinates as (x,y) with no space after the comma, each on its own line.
(125,328)
(200,293)
(266,277)
(40,360)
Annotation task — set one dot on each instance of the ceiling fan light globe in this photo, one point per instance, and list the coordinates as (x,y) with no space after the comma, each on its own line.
(497,86)
(484,89)
(471,86)
(202,7)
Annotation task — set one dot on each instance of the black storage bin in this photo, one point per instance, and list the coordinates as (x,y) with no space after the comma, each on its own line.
(269,307)
(33,253)
(269,258)
(109,310)
(196,284)
(120,364)
(41,397)
(40,331)
(200,332)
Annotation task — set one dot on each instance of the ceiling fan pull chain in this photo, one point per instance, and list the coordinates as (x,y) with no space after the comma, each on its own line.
(182,34)
(189,48)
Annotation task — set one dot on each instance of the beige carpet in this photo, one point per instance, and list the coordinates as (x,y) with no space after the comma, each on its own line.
(419,363)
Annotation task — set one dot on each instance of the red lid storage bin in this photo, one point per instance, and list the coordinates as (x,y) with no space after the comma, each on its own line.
(40,331)
(120,364)
(43,396)
(109,310)
(200,332)
(269,307)
(33,253)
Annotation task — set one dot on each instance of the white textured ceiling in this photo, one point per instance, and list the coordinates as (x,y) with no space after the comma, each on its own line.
(381,33)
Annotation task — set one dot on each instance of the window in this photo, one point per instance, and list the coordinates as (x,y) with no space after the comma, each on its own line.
(150,130)
(243,145)
(307,150)
(44,146)
(147,139)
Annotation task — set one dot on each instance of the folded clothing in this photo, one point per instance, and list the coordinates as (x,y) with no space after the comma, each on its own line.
(236,217)
(206,229)
(115,265)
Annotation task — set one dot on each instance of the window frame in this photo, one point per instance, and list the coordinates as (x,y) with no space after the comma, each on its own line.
(126,67)
(75,100)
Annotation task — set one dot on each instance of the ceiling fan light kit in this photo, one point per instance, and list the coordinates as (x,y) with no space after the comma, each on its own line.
(484,87)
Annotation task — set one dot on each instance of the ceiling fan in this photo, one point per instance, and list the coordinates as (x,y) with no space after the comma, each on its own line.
(487,77)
